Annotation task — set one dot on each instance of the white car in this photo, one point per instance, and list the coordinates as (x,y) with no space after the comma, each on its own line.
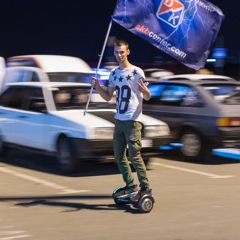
(197,77)
(52,118)
(50,68)
(2,69)
(50,63)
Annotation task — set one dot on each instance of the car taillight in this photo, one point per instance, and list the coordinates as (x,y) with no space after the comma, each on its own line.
(229,122)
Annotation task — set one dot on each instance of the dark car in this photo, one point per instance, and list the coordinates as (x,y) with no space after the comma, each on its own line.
(201,115)
(197,77)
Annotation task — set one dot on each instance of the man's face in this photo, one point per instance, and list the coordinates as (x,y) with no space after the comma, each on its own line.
(121,53)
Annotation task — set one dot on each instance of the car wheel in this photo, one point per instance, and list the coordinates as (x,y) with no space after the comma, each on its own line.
(191,145)
(67,161)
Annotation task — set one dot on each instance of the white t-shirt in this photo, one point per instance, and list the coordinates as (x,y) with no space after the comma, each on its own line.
(128,98)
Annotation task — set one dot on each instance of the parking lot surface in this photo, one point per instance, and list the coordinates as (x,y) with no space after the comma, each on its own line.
(194,201)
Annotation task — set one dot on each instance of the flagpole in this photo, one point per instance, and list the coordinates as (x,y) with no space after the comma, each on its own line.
(99,63)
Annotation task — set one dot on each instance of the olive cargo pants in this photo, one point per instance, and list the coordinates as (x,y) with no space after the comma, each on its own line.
(128,133)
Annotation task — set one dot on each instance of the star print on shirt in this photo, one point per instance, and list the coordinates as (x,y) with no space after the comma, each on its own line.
(113,73)
(115,78)
(134,72)
(128,77)
(120,79)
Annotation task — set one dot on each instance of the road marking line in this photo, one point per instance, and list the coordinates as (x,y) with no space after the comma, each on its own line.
(12,234)
(193,171)
(14,237)
(63,189)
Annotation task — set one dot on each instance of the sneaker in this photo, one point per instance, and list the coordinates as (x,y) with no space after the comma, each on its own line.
(127,192)
(140,194)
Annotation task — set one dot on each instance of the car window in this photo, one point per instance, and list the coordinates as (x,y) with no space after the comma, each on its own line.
(174,92)
(174,95)
(6,96)
(70,97)
(34,77)
(191,98)
(11,76)
(156,89)
(22,98)
(225,93)
(33,100)
(70,77)
(19,76)
(16,63)
(12,98)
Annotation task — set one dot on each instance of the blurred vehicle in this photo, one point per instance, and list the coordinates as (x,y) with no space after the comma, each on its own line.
(102,74)
(2,69)
(50,63)
(56,67)
(202,115)
(152,74)
(49,118)
(197,77)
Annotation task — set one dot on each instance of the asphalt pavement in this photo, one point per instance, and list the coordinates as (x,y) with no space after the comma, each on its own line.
(193,201)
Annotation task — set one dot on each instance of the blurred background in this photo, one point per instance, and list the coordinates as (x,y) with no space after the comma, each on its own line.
(78,28)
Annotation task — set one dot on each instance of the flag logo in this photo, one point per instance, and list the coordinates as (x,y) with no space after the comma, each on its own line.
(172,26)
(171,12)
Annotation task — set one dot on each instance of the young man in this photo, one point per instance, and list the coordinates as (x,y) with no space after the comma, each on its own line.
(129,83)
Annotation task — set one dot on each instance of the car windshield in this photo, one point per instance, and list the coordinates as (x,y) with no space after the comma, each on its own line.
(69,77)
(67,98)
(74,77)
(224,94)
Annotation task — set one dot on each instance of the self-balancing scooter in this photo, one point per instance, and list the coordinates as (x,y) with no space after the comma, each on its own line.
(144,204)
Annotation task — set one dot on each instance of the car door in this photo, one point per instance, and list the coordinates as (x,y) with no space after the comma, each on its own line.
(163,104)
(10,108)
(175,104)
(31,122)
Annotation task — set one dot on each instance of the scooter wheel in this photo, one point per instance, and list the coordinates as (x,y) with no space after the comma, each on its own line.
(145,204)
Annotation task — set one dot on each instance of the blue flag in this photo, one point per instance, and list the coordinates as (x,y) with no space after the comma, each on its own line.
(184,29)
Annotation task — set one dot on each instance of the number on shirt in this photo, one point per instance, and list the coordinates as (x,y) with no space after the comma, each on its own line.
(123,93)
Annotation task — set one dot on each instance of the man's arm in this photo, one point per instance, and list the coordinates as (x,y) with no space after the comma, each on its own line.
(144,89)
(147,95)
(105,94)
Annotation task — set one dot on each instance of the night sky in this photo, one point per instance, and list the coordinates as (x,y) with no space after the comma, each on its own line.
(78,28)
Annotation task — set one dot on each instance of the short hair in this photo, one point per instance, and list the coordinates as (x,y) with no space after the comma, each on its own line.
(121,43)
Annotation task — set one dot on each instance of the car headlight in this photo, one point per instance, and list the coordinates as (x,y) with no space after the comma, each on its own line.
(103,133)
(156,131)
